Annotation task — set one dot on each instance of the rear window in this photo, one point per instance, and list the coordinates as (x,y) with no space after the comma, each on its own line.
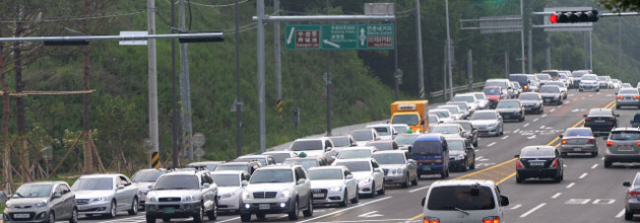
(578,132)
(496,83)
(537,152)
(491,91)
(455,198)
(530,97)
(383,131)
(605,113)
(356,166)
(625,135)
(467,98)
(363,135)
(306,145)
(578,73)
(518,78)
(427,148)
(589,77)
(543,77)
(354,154)
(480,96)
(628,91)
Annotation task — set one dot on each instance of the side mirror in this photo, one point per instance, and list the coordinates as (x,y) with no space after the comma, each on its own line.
(421,122)
(354,144)
(150,187)
(423,200)
(301,181)
(120,187)
(329,149)
(631,122)
(561,135)
(626,184)
(440,122)
(504,200)
(57,195)
(517,156)
(617,115)
(206,185)
(349,177)
(585,115)
(411,160)
(245,183)
(469,148)
(3,196)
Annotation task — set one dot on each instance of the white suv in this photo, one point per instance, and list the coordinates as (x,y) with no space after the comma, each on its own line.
(277,189)
(183,193)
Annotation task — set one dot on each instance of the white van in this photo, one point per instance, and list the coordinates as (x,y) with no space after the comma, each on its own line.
(464,201)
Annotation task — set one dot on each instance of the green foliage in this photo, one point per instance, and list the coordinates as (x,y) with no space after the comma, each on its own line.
(621,5)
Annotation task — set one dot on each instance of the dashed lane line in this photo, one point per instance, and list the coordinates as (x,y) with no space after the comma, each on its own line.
(594,166)
(533,210)
(620,214)
(570,185)
(556,195)
(525,125)
(505,137)
(516,207)
(491,144)
(346,209)
(419,189)
(583,175)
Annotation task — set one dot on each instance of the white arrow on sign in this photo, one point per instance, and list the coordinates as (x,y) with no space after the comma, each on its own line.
(331,43)
(370,215)
(362,36)
(291,35)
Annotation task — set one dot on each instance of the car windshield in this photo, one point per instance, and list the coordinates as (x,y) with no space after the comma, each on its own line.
(483,116)
(389,158)
(227,180)
(578,73)
(578,132)
(427,148)
(625,135)
(508,104)
(340,141)
(382,131)
(537,153)
(404,119)
(452,109)
(563,76)
(91,183)
(354,154)
(529,97)
(326,174)
(445,129)
(465,125)
(177,182)
(480,96)
(555,84)
(381,145)
(433,119)
(401,129)
(549,89)
(356,166)
(406,139)
(543,77)
(629,91)
(454,198)
(241,167)
(262,161)
(496,83)
(272,176)
(306,145)
(467,98)
(362,135)
(456,145)
(460,105)
(491,91)
(589,78)
(441,113)
(148,176)
(33,191)
(601,78)
(306,163)
(279,157)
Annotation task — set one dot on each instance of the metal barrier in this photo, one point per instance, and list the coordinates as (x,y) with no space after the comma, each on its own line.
(456,89)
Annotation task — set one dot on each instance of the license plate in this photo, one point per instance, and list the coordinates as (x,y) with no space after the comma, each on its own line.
(547,100)
(426,167)
(537,164)
(577,149)
(599,121)
(625,148)
(628,98)
(21,216)
(169,210)
(264,206)
(318,195)
(82,208)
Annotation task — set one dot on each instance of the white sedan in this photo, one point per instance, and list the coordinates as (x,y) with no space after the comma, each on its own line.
(333,185)
(368,174)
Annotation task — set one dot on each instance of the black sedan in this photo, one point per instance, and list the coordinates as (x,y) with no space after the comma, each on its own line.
(511,109)
(601,120)
(539,162)
(532,102)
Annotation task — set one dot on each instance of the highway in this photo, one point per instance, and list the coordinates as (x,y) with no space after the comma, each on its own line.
(589,192)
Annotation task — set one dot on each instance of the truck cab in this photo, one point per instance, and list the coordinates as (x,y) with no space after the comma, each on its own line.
(412,113)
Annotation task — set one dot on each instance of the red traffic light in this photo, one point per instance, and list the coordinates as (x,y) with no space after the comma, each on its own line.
(553,18)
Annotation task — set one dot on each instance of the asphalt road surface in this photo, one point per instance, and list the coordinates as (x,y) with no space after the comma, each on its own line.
(589,192)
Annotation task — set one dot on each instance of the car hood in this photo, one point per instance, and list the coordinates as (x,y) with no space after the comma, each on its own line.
(362,174)
(226,190)
(172,193)
(88,194)
(550,94)
(508,109)
(588,81)
(268,187)
(456,152)
(26,201)
(312,153)
(493,97)
(326,183)
(483,122)
(391,166)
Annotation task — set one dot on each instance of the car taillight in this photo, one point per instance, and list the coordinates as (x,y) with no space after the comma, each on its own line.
(633,193)
(609,143)
(555,163)
(430,220)
(620,97)
(636,97)
(612,119)
(564,141)
(526,87)
(438,161)
(638,143)
(519,164)
(492,219)
(591,141)
(588,119)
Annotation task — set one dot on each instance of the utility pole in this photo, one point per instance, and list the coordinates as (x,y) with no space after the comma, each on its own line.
(584,48)
(522,35)
(590,51)
(506,64)
(449,51)
(444,74)
(395,51)
(470,70)
(530,52)
(262,141)
(328,83)
(185,88)
(276,51)
(238,96)
(175,137)
(419,52)
(153,78)
(619,48)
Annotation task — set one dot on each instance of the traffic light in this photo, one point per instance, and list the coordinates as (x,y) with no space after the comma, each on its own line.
(574,17)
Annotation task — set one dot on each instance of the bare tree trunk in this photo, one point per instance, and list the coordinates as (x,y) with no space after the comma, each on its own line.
(8,176)
(19,85)
(86,145)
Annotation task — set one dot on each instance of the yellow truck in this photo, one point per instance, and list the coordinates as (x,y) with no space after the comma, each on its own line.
(412,113)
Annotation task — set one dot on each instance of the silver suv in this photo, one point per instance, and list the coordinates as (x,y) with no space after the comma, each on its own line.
(277,189)
(623,145)
(183,193)
(42,202)
(105,194)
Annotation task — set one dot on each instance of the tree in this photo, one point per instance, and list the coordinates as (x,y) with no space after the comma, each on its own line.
(621,5)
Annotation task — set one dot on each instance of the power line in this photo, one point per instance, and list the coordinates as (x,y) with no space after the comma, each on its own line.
(76,18)
(210,6)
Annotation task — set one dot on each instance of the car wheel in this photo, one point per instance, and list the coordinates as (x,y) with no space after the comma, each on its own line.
(443,175)
(580,90)
(607,163)
(166,219)
(309,212)
(199,217)
(74,216)
(594,154)
(356,199)
(475,144)
(245,217)
(52,217)
(414,182)
(293,215)
(628,215)
(113,210)
(134,207)
(473,165)
(465,167)
(261,216)
(519,179)
(383,190)
(345,199)
(150,219)
(373,190)
(406,182)
(617,107)
(213,214)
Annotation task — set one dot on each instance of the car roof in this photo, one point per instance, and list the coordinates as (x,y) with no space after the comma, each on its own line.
(278,151)
(439,109)
(312,139)
(577,128)
(459,121)
(278,167)
(205,163)
(353,160)
(378,125)
(492,86)
(486,111)
(454,138)
(327,168)
(44,183)
(534,93)
(448,183)
(223,172)
(380,142)
(448,125)
(102,175)
(254,156)
(509,100)
(362,130)
(537,148)
(359,148)
(304,158)
(429,137)
(497,79)
(235,163)
(626,129)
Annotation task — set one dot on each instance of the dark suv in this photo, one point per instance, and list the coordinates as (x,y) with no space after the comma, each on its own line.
(601,120)
(522,80)
(635,122)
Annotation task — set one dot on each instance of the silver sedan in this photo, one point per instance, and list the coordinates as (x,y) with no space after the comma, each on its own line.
(578,140)
(628,97)
(398,168)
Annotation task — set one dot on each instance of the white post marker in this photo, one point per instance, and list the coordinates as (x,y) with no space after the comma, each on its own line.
(362,37)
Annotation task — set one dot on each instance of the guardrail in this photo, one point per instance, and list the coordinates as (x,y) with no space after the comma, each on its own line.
(456,89)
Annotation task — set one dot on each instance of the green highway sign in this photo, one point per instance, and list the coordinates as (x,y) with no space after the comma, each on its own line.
(339,36)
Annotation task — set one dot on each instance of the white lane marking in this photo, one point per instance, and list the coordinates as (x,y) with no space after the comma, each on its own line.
(479,157)
(620,214)
(545,115)
(370,215)
(531,137)
(583,175)
(477,150)
(577,201)
(346,209)
(516,131)
(232,219)
(532,210)
(552,110)
(602,158)
(598,92)
(604,201)
(516,207)
(370,220)
(125,219)
(505,137)
(570,185)
(535,119)
(491,144)
(525,125)
(542,127)
(594,166)
(582,98)
(556,195)
(419,189)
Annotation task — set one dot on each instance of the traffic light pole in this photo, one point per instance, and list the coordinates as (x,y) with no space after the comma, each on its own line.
(522,36)
(449,53)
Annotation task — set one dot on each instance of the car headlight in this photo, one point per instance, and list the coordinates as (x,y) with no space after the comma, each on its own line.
(460,157)
(399,171)
(189,198)
(151,199)
(556,97)
(285,194)
(41,204)
(336,188)
(228,195)
(99,199)
(246,195)
(9,205)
